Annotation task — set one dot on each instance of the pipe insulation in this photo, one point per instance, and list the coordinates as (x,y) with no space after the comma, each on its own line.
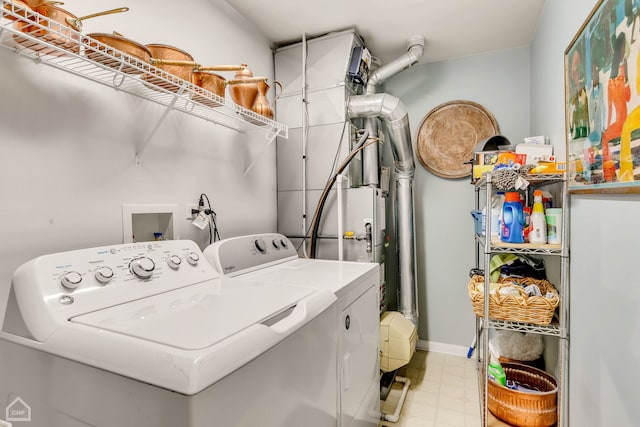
(395,117)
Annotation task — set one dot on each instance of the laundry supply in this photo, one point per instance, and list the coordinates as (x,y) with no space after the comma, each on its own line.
(512,219)
(479,221)
(517,345)
(497,202)
(495,371)
(554,225)
(538,227)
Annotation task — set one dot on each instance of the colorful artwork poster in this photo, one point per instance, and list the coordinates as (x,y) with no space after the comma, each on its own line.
(602,93)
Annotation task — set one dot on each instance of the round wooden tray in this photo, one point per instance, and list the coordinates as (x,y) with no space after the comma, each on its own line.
(448,135)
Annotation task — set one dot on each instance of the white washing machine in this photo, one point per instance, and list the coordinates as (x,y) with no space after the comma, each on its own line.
(271,258)
(150,335)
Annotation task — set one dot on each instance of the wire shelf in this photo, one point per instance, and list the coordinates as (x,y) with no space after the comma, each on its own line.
(522,248)
(538,179)
(553,329)
(46,41)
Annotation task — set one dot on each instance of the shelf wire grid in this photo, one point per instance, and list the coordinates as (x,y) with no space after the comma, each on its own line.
(44,40)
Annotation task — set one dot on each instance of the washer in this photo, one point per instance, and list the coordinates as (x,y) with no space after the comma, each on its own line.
(150,335)
(271,258)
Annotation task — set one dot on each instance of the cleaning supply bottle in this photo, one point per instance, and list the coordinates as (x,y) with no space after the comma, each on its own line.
(512,219)
(497,201)
(495,371)
(538,233)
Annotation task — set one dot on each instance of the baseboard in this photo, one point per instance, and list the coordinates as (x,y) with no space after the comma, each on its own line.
(438,347)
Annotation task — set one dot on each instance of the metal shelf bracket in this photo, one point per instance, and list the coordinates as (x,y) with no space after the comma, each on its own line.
(270,137)
(169,107)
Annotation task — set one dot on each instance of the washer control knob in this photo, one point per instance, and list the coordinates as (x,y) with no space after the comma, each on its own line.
(174,261)
(283,243)
(104,275)
(142,267)
(274,242)
(71,280)
(260,245)
(193,258)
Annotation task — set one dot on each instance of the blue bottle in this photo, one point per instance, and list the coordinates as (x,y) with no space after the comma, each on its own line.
(512,219)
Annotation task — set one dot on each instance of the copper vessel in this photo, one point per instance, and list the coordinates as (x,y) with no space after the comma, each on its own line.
(261,104)
(244,93)
(62,29)
(127,63)
(215,84)
(172,60)
(26,6)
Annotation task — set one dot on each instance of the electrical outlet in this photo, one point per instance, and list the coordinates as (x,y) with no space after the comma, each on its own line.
(366,221)
(188,215)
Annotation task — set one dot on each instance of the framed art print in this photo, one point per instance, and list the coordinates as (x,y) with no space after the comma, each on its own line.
(602,100)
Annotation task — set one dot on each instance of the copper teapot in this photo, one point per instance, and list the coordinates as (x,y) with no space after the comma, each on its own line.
(261,104)
(245,91)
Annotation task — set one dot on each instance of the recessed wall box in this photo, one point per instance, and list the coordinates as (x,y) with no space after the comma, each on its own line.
(141,222)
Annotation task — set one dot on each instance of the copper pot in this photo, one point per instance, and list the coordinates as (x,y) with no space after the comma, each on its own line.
(133,51)
(214,83)
(172,60)
(22,8)
(63,28)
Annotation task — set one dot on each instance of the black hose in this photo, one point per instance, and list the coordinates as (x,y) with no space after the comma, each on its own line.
(315,224)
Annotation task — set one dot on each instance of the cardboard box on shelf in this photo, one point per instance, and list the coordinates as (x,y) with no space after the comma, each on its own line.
(535,152)
(550,167)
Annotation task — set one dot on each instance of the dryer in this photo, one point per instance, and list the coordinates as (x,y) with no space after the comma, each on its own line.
(272,258)
(150,335)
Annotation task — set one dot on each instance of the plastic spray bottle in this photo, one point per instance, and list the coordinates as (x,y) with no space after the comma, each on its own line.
(495,371)
(538,233)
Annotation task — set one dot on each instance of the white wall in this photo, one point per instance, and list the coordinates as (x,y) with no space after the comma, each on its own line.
(605,291)
(444,229)
(67,144)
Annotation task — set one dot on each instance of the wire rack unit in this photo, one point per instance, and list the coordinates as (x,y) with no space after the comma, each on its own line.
(45,41)
(559,327)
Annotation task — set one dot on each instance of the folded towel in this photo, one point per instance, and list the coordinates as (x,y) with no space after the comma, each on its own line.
(498,261)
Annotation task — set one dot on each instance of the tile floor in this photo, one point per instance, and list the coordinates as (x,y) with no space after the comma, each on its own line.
(443,393)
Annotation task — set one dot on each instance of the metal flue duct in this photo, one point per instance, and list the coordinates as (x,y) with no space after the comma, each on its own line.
(395,117)
(396,120)
(415,50)
(370,157)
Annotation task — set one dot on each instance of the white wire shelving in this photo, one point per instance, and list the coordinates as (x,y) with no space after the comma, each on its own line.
(48,42)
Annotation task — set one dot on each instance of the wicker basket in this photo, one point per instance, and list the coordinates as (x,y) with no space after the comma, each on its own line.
(515,308)
(520,408)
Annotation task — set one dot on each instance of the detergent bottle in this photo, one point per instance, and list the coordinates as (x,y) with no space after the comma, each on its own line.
(512,219)
(538,233)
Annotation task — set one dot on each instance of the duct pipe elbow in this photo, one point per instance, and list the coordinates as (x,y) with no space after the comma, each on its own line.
(382,105)
(415,50)
(396,119)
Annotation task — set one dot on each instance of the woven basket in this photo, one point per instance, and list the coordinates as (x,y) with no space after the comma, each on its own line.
(520,408)
(515,308)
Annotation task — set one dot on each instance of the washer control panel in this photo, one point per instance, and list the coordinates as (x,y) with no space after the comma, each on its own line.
(90,279)
(242,254)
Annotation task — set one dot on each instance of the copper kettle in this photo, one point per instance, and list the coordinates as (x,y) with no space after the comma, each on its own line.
(244,93)
(261,104)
